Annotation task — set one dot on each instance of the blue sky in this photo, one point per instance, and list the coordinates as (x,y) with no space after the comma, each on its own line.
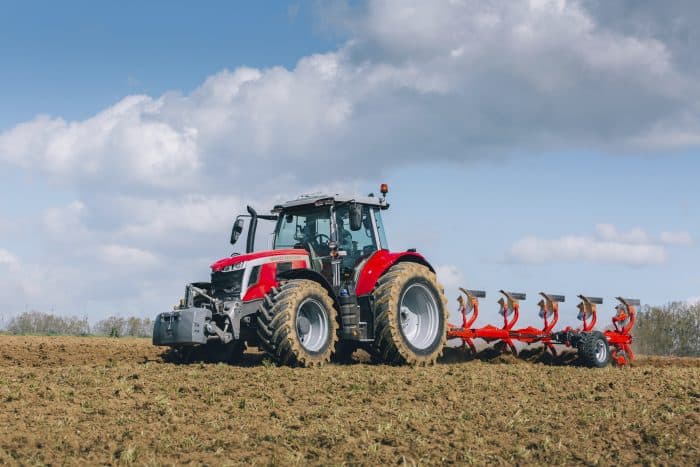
(543,145)
(75,58)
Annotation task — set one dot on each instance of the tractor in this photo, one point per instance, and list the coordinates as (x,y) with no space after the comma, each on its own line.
(328,286)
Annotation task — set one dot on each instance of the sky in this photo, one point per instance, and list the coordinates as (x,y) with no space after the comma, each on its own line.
(541,145)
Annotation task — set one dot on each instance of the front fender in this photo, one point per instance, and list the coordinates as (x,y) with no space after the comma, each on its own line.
(310,274)
(379,263)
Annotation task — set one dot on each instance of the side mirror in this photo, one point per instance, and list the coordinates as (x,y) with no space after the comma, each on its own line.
(355,217)
(237,230)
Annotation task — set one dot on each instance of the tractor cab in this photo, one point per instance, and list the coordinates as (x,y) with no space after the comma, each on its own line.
(338,233)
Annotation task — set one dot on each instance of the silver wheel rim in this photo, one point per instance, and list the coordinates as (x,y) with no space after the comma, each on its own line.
(601,352)
(312,325)
(419,316)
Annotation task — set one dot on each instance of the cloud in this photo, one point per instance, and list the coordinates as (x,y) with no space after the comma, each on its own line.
(630,248)
(680,237)
(454,80)
(7,258)
(635,236)
(449,276)
(65,222)
(120,255)
(451,279)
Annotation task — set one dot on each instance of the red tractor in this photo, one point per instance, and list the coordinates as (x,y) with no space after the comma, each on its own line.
(328,286)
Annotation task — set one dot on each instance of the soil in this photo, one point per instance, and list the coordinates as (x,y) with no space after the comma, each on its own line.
(70,400)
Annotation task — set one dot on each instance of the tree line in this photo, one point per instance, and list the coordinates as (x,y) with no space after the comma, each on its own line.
(37,322)
(672,329)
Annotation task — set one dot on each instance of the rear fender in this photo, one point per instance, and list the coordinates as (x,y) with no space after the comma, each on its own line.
(379,263)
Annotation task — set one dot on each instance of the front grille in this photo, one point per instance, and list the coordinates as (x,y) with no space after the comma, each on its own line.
(226,284)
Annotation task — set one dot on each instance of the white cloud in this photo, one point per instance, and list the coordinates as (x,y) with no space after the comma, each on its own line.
(451,279)
(7,258)
(450,276)
(680,237)
(411,77)
(120,255)
(610,233)
(65,222)
(693,300)
(161,218)
(129,140)
(632,248)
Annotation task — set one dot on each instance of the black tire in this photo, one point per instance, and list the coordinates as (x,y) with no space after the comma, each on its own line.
(283,324)
(392,343)
(593,350)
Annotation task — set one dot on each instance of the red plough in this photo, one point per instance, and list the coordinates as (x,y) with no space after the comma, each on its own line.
(595,348)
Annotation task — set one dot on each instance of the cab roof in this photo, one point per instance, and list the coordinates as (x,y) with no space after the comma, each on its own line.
(318,199)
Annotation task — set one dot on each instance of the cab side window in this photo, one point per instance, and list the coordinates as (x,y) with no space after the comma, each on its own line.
(357,243)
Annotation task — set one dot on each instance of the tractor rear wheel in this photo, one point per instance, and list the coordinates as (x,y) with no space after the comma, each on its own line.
(411,316)
(298,325)
(593,349)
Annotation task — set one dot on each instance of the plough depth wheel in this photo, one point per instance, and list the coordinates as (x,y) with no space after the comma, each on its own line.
(593,349)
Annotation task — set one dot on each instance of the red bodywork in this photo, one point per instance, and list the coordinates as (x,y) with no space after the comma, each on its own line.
(378,264)
(267,278)
(222,263)
(618,338)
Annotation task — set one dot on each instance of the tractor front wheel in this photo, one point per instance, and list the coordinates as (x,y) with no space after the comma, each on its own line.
(411,316)
(298,325)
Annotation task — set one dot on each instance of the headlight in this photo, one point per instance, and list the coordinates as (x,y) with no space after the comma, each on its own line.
(234,267)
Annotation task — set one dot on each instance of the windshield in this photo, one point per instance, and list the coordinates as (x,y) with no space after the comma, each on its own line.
(298,229)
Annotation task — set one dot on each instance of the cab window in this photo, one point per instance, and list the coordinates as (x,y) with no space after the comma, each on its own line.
(380,229)
(299,229)
(359,243)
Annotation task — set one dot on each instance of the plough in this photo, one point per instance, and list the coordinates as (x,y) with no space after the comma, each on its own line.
(595,348)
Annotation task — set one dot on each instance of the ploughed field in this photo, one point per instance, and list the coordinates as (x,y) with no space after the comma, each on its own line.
(115,401)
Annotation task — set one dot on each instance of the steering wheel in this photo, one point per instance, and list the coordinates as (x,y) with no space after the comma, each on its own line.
(318,238)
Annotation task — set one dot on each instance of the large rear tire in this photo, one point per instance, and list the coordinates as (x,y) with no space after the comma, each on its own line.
(298,325)
(411,316)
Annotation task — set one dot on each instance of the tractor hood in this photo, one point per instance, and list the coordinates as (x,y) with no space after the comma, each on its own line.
(274,254)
